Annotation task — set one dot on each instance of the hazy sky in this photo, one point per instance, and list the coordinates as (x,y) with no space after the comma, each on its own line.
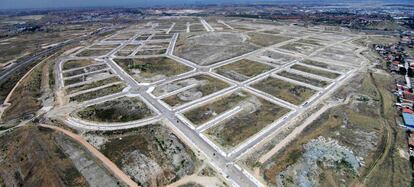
(17,4)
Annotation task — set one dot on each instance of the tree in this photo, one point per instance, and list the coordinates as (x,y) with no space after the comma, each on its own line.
(410,72)
(403,71)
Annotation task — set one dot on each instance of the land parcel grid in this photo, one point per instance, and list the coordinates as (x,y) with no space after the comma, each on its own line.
(152,69)
(189,89)
(292,93)
(123,109)
(243,69)
(256,113)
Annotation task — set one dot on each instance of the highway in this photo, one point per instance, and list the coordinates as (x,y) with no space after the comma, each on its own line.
(4,74)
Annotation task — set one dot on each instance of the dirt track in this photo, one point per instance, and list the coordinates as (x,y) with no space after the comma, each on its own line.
(107,163)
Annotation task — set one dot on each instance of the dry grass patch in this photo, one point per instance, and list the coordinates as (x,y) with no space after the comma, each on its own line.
(98,93)
(205,85)
(207,112)
(151,69)
(292,93)
(243,69)
(257,113)
(315,71)
(93,52)
(119,110)
(304,79)
(71,64)
(266,39)
(325,65)
(74,89)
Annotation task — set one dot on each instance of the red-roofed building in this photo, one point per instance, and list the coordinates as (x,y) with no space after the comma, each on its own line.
(408,95)
(407,110)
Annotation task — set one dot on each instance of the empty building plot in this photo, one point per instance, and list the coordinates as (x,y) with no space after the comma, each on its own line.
(151,69)
(122,109)
(326,65)
(162,37)
(332,37)
(340,53)
(85,69)
(265,39)
(290,92)
(197,27)
(122,53)
(92,84)
(127,50)
(313,41)
(93,52)
(130,47)
(240,27)
(87,77)
(211,47)
(256,113)
(272,31)
(217,107)
(156,45)
(303,78)
(108,90)
(150,52)
(302,48)
(189,89)
(143,37)
(243,69)
(274,57)
(71,64)
(218,25)
(121,36)
(315,71)
(179,27)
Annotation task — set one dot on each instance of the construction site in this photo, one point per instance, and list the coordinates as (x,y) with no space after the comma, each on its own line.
(213,101)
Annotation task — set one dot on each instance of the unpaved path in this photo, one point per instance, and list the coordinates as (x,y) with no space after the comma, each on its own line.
(107,163)
(299,129)
(45,78)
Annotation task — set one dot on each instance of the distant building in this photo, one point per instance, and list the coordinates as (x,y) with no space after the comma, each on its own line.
(408,120)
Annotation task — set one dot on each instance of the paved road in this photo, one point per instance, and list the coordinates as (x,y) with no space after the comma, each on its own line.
(26,62)
(213,156)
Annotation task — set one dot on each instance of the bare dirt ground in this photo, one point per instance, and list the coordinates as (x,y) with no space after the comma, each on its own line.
(108,163)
